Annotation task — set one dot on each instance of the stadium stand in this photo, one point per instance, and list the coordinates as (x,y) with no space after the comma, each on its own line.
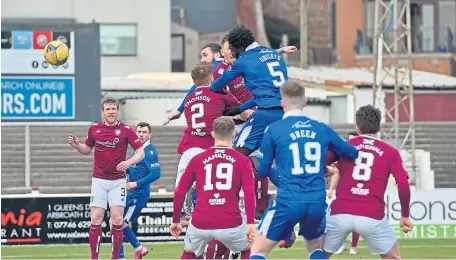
(56,168)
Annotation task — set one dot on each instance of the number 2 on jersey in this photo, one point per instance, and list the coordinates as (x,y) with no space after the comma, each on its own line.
(223,172)
(276,73)
(199,107)
(312,154)
(362,170)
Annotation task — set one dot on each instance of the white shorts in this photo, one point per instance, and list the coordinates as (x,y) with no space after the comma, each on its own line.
(378,234)
(233,238)
(185,160)
(238,130)
(108,191)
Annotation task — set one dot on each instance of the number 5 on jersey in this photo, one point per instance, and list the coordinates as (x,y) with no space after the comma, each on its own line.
(276,73)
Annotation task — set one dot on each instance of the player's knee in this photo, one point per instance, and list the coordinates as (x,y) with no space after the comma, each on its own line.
(116,220)
(96,215)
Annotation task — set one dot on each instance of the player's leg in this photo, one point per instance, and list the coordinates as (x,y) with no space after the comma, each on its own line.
(337,229)
(98,206)
(131,213)
(277,224)
(195,242)
(183,162)
(354,243)
(379,237)
(234,240)
(117,201)
(312,228)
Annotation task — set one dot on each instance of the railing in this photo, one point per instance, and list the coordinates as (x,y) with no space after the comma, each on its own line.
(424,40)
(28,141)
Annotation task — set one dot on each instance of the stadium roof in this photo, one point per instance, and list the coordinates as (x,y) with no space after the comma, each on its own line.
(349,78)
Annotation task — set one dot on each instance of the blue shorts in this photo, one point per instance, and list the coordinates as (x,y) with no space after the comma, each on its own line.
(133,208)
(280,219)
(251,134)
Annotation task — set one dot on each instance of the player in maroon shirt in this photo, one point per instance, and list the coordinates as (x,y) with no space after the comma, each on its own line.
(201,108)
(110,140)
(332,185)
(219,173)
(359,205)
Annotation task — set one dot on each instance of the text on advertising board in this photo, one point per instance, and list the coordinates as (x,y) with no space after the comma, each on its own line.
(37,98)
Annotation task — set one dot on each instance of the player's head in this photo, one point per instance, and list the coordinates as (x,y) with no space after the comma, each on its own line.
(293,96)
(143,131)
(210,52)
(223,130)
(226,51)
(368,120)
(202,74)
(110,109)
(352,135)
(240,38)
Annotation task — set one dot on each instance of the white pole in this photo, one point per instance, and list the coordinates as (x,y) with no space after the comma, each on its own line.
(27,156)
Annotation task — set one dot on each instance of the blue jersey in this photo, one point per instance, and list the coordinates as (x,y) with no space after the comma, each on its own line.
(264,71)
(299,145)
(215,64)
(144,172)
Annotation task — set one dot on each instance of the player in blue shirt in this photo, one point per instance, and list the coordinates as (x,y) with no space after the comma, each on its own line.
(140,176)
(211,52)
(299,145)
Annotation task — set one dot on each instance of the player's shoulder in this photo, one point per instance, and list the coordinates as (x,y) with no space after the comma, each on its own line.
(96,125)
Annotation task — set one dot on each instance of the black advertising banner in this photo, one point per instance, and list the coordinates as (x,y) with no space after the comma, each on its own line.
(66,220)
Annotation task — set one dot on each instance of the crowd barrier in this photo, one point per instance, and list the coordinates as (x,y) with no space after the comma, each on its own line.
(65,218)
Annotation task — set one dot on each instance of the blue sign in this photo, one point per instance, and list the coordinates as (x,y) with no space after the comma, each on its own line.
(22,39)
(38,98)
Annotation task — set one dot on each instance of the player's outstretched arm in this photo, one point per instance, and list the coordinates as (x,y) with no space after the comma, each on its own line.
(248,187)
(190,91)
(403,188)
(341,147)
(227,76)
(182,188)
(287,49)
(81,148)
(153,165)
(247,105)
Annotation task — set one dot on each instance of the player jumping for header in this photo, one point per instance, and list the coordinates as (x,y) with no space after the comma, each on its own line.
(359,205)
(264,71)
(110,139)
(140,176)
(298,144)
(219,173)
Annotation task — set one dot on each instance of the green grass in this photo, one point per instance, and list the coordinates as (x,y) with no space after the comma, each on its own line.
(410,249)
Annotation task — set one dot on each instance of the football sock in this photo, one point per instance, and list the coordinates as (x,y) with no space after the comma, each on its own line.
(246,254)
(355,239)
(257,256)
(94,240)
(188,255)
(116,239)
(130,236)
(210,250)
(317,254)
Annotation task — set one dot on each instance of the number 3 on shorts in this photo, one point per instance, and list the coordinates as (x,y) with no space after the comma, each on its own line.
(122,192)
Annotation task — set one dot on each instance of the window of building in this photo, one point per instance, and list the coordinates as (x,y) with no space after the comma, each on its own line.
(118,39)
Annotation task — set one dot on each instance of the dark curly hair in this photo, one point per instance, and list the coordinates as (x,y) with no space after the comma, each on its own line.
(240,38)
(368,119)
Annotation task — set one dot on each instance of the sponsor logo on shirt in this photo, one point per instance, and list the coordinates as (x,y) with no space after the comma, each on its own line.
(109,144)
(301,124)
(198,132)
(358,190)
(217,200)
